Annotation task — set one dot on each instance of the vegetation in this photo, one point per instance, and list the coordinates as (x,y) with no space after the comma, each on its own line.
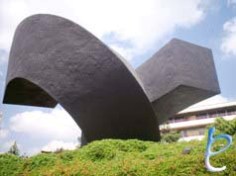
(14,149)
(123,158)
(170,137)
(224,126)
(10,165)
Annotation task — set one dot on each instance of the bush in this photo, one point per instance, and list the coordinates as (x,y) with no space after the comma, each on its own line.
(170,137)
(224,126)
(108,149)
(10,164)
(121,158)
(38,161)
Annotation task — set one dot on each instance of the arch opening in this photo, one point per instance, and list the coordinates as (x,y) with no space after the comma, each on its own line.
(21,91)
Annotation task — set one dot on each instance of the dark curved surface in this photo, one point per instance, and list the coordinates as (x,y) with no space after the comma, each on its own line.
(54,60)
(24,92)
(60,62)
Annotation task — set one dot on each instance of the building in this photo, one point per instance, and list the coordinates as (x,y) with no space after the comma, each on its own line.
(191,122)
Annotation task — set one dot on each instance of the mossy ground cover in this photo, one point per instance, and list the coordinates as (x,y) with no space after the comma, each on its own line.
(122,158)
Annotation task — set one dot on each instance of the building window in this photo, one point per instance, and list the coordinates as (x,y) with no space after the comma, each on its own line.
(221,113)
(231,111)
(212,114)
(202,116)
(177,119)
(193,132)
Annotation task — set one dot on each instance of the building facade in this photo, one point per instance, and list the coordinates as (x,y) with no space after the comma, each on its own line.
(192,122)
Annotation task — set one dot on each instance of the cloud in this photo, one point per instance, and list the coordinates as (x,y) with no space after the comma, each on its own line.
(3,56)
(54,125)
(3,133)
(32,151)
(55,145)
(228,45)
(5,146)
(140,23)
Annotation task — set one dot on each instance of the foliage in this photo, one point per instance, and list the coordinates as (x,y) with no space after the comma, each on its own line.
(121,158)
(224,126)
(10,165)
(169,137)
(14,149)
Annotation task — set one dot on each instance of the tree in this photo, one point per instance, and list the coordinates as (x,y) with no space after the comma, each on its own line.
(224,126)
(170,137)
(14,149)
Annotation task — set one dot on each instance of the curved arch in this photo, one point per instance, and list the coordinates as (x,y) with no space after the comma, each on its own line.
(82,74)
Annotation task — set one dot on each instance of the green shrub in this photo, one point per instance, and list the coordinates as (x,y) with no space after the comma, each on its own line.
(170,137)
(10,165)
(67,156)
(121,158)
(42,160)
(224,126)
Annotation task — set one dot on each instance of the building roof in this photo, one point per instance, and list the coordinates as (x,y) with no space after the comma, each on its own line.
(197,108)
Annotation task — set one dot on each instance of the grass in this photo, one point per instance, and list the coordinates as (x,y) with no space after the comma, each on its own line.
(121,158)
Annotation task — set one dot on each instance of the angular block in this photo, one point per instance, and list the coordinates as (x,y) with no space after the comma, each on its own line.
(177,76)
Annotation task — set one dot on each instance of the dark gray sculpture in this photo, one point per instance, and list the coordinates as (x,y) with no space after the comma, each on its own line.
(54,60)
(177,76)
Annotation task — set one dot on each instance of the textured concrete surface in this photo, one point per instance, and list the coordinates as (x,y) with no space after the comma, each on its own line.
(54,60)
(177,76)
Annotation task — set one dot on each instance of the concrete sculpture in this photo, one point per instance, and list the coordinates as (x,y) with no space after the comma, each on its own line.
(54,60)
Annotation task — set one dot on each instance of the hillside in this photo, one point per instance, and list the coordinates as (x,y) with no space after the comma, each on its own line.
(121,158)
